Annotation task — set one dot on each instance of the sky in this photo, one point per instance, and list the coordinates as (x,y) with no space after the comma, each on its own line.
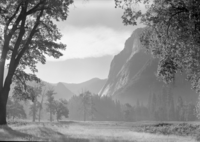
(93,33)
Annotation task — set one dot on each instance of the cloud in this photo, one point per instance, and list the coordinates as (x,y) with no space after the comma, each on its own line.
(95,13)
(94,41)
(93,29)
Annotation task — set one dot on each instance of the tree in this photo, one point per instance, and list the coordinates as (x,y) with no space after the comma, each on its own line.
(32,93)
(198,108)
(170,104)
(27,33)
(85,103)
(61,109)
(34,108)
(180,109)
(152,107)
(172,35)
(92,108)
(190,113)
(42,100)
(51,103)
(128,112)
(15,109)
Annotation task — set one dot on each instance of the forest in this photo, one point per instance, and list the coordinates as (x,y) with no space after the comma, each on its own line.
(91,107)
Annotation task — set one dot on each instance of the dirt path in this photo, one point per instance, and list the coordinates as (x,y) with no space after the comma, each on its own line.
(91,132)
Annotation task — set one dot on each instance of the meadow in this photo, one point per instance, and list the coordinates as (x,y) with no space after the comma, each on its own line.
(96,131)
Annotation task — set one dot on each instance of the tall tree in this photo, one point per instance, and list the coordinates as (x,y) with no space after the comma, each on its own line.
(180,109)
(33,91)
(85,96)
(128,112)
(172,34)
(34,108)
(27,33)
(197,109)
(43,94)
(170,104)
(15,109)
(50,103)
(61,109)
(153,104)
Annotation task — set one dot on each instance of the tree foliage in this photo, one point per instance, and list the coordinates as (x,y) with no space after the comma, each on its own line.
(50,103)
(61,109)
(15,109)
(172,34)
(93,107)
(28,33)
(32,92)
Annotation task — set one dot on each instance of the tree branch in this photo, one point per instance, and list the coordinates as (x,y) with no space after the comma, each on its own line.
(35,8)
(13,16)
(168,22)
(26,46)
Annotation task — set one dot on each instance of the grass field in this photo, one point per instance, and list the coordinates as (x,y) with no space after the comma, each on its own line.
(77,131)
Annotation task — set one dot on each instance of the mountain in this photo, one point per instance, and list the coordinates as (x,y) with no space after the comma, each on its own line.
(62,92)
(94,85)
(67,90)
(132,75)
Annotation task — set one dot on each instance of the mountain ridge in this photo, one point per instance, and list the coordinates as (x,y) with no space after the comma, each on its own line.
(94,85)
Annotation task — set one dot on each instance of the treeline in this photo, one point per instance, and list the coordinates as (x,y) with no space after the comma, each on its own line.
(92,107)
(161,107)
(37,103)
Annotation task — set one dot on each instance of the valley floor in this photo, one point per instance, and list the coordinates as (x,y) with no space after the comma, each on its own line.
(77,131)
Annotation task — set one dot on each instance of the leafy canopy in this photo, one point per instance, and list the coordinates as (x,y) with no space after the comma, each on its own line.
(172,35)
(61,108)
(28,33)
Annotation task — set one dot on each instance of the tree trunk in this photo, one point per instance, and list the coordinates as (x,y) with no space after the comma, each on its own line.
(3,100)
(84,115)
(39,114)
(57,116)
(2,64)
(4,92)
(40,109)
(3,111)
(34,110)
(2,67)
(50,115)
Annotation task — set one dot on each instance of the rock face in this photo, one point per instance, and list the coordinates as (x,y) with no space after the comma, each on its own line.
(132,75)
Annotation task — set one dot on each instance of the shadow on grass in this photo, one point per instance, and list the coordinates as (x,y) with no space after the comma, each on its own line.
(57,136)
(11,134)
(54,135)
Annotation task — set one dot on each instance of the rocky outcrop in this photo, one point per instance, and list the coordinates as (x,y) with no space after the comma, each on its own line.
(132,75)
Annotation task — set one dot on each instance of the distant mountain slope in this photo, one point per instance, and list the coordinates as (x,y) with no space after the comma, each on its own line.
(132,75)
(62,92)
(66,90)
(94,85)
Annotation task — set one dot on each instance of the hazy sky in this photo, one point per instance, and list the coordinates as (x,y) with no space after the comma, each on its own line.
(93,33)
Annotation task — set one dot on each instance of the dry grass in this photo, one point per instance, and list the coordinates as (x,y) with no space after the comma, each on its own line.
(86,132)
